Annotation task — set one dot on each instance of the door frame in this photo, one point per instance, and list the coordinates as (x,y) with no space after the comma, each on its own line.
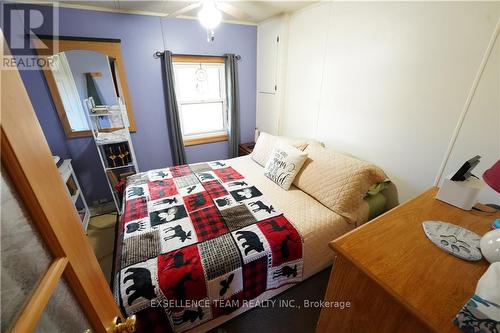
(28,161)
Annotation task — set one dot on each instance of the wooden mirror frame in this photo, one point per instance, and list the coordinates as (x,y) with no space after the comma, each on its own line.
(109,47)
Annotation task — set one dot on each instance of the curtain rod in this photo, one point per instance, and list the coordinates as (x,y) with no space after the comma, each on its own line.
(158,54)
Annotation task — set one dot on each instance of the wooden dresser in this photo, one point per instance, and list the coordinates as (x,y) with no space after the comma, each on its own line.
(395,279)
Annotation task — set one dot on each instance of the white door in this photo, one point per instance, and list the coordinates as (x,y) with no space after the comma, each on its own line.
(267,56)
(69,93)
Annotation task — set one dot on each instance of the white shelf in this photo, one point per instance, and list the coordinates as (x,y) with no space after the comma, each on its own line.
(111,142)
(75,196)
(66,171)
(118,135)
(130,165)
(121,119)
(107,114)
(86,219)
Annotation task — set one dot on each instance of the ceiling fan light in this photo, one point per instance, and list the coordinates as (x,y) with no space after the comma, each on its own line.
(209,16)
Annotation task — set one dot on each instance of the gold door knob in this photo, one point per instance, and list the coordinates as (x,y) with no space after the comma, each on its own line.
(127,327)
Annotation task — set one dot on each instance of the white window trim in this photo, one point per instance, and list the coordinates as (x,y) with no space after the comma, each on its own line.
(223,100)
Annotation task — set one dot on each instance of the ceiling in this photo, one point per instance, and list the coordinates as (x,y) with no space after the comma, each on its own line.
(257,11)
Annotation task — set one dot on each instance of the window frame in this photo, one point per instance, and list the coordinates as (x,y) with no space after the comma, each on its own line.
(209,137)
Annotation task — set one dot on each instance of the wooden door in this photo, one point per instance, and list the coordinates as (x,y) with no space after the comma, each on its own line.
(26,157)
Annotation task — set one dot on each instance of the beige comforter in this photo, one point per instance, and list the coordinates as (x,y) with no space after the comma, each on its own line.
(317,224)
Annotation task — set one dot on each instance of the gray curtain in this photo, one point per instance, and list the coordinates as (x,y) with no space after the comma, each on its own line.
(233,103)
(173,119)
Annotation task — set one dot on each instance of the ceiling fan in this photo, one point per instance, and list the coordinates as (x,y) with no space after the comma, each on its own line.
(210,14)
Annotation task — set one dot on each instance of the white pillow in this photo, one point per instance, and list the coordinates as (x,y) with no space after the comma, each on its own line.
(284,164)
(266,142)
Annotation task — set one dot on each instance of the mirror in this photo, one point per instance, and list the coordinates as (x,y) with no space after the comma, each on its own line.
(80,74)
(83,69)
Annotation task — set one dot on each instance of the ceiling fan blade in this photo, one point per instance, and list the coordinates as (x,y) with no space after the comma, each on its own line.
(233,11)
(184,10)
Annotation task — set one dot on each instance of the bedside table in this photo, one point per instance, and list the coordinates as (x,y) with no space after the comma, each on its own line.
(246,148)
(396,279)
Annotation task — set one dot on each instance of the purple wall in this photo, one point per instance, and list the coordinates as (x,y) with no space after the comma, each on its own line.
(141,36)
(81,62)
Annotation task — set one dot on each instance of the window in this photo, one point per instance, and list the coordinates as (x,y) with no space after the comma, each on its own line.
(200,88)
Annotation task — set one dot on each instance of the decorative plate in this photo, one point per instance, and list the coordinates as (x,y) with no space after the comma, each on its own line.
(453,239)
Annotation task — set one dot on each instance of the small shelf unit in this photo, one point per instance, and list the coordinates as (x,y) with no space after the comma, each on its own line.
(110,130)
(74,190)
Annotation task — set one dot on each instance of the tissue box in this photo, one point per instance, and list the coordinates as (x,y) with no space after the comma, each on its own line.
(462,194)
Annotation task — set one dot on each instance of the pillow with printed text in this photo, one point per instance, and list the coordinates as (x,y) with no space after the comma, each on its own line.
(284,164)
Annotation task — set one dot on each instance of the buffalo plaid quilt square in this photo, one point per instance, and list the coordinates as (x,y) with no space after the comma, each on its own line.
(215,189)
(197,201)
(254,278)
(135,209)
(161,189)
(208,223)
(228,174)
(181,170)
(153,320)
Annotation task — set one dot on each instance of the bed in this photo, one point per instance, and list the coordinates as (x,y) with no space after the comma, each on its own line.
(316,224)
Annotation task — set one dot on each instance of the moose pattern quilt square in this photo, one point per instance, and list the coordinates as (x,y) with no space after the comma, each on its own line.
(197,241)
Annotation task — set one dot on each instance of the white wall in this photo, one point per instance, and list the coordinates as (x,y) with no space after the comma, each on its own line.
(480,134)
(386,82)
(271,72)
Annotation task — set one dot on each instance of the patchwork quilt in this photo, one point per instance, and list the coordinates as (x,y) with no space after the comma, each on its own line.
(196,242)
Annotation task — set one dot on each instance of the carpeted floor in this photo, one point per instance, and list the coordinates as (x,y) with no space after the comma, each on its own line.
(101,235)
(280,319)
